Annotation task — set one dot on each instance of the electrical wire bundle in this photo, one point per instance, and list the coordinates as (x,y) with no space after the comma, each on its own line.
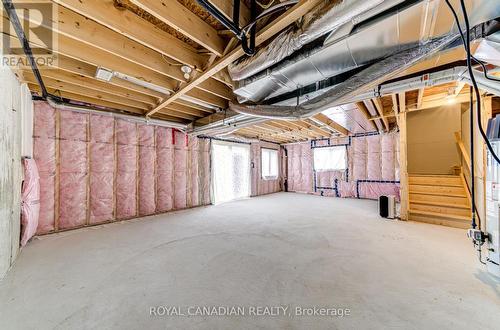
(474,88)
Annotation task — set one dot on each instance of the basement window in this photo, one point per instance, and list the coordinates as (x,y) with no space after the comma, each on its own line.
(269,158)
(330,158)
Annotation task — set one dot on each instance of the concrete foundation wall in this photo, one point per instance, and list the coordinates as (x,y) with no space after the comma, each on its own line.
(15,132)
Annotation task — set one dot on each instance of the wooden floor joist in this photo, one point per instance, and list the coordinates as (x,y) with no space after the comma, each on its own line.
(185,22)
(132,26)
(270,30)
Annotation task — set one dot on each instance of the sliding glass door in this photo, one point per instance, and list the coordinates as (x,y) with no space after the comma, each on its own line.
(230,170)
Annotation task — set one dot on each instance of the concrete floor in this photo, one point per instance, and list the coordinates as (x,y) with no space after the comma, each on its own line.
(282,249)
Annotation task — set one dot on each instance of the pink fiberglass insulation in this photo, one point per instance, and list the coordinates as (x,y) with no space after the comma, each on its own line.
(147,157)
(358,158)
(372,157)
(180,169)
(44,150)
(102,166)
(373,162)
(388,157)
(111,169)
(300,168)
(194,156)
(204,171)
(73,169)
(374,190)
(126,175)
(30,200)
(164,169)
(347,189)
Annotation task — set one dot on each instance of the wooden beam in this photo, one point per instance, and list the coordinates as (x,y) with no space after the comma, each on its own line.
(132,26)
(420,97)
(184,21)
(362,109)
(77,67)
(283,126)
(380,111)
(462,149)
(226,8)
(270,30)
(97,57)
(97,85)
(402,102)
(313,127)
(73,48)
(395,107)
(187,110)
(87,99)
(193,106)
(277,131)
(403,167)
(368,104)
(458,89)
(332,124)
(78,27)
(84,91)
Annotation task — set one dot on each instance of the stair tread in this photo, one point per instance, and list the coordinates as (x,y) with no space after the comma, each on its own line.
(436,184)
(438,194)
(458,206)
(435,176)
(441,215)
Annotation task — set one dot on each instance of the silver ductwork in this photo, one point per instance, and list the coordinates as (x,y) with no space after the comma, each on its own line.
(346,49)
(255,84)
(344,92)
(325,17)
(489,49)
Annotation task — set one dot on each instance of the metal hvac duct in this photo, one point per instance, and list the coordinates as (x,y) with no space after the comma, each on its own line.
(344,50)
(322,19)
(344,92)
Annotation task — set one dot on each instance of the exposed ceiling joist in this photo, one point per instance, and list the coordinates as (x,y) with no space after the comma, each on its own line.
(332,124)
(380,111)
(184,21)
(270,30)
(227,7)
(132,26)
(78,89)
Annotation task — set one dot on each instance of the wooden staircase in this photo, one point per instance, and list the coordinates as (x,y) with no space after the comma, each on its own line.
(439,199)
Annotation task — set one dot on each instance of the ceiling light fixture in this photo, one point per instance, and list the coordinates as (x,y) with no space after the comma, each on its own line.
(187,71)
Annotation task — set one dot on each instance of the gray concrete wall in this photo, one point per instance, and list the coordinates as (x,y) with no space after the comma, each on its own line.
(15,111)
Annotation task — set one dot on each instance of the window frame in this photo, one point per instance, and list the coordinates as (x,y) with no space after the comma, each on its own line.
(269,178)
(346,159)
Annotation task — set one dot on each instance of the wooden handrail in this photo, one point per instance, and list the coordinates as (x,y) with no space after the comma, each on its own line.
(462,149)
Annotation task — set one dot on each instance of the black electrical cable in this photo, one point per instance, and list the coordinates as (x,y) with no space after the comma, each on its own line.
(472,188)
(14,19)
(474,83)
(466,42)
(485,70)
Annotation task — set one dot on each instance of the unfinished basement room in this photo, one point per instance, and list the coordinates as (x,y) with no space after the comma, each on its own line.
(250,164)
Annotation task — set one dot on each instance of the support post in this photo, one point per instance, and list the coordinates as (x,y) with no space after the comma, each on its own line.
(403,161)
